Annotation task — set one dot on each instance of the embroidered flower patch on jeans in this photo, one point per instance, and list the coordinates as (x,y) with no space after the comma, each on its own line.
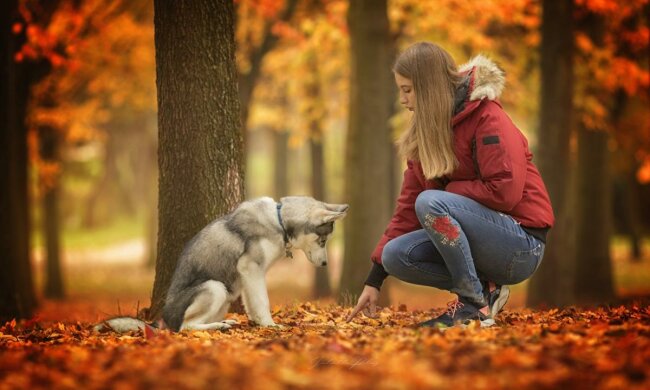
(448,232)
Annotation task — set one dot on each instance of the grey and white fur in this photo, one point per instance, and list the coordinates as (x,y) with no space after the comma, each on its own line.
(231,255)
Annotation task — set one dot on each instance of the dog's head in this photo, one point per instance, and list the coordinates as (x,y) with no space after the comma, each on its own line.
(310,224)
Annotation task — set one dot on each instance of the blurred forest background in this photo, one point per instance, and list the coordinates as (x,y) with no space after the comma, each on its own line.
(319,112)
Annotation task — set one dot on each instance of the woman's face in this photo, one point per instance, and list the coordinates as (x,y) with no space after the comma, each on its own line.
(406,94)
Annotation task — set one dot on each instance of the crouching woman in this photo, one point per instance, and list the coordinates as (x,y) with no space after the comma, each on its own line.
(473,212)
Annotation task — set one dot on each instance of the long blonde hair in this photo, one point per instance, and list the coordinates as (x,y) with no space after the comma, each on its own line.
(429,139)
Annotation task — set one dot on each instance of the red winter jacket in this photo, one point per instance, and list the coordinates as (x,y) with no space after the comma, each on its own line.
(495,164)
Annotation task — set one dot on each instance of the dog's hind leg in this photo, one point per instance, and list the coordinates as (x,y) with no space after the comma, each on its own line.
(207,308)
(222,314)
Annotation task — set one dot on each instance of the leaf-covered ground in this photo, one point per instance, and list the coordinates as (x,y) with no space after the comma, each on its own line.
(606,347)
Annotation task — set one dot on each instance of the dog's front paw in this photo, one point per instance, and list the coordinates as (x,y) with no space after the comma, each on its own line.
(270,324)
(276,326)
(231,322)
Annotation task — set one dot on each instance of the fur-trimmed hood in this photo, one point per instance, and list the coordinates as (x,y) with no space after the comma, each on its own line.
(486,78)
(483,80)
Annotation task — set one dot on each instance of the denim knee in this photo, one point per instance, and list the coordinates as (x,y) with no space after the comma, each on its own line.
(390,257)
(430,200)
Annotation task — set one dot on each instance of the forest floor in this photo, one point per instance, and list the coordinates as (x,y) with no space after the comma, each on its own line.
(605,347)
(590,347)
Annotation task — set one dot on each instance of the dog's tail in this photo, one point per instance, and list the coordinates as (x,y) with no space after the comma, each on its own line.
(121,325)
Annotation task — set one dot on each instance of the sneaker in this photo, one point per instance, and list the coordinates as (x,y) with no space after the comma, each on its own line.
(458,313)
(496,296)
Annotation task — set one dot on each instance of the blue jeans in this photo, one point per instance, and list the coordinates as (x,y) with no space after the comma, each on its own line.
(461,244)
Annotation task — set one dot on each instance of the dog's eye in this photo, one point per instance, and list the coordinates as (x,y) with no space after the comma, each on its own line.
(322,240)
(324,229)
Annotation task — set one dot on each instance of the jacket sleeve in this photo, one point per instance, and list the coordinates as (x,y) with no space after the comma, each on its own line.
(404,219)
(500,153)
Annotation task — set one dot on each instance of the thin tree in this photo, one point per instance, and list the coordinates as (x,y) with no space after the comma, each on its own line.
(280,139)
(248,80)
(368,155)
(593,276)
(552,158)
(315,116)
(35,71)
(49,148)
(17,298)
(200,143)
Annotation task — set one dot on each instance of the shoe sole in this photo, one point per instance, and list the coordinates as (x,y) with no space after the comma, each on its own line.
(496,307)
(486,323)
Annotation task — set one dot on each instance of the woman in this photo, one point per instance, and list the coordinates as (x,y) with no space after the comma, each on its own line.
(473,212)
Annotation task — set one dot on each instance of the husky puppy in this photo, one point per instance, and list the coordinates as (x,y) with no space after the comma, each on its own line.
(231,255)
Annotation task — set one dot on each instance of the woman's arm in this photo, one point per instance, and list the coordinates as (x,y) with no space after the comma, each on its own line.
(404,220)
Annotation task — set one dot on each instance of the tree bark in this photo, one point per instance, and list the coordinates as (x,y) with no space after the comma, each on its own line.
(368,155)
(553,152)
(200,143)
(17,298)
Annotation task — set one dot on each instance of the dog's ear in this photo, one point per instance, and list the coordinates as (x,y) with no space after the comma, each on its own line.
(329,215)
(339,208)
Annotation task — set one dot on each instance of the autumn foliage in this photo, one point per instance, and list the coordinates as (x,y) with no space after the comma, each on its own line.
(97,89)
(606,347)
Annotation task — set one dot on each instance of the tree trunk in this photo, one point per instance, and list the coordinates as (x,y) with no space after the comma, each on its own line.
(51,221)
(151,233)
(593,277)
(321,274)
(632,209)
(17,298)
(553,152)
(281,146)
(53,275)
(200,143)
(151,208)
(315,115)
(247,81)
(626,206)
(368,155)
(281,160)
(395,170)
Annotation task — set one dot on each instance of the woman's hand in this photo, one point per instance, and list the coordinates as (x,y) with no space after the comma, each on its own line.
(367,302)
